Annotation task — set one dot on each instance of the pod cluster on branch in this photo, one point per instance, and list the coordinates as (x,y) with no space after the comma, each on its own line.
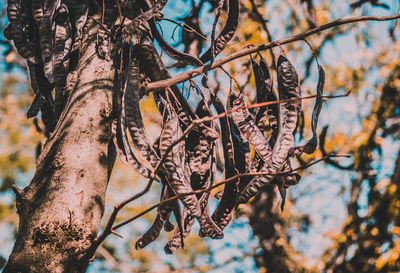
(183,158)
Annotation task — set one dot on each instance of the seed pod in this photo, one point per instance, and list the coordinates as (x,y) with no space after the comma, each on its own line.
(179,235)
(223,213)
(265,92)
(288,88)
(16,14)
(226,34)
(154,231)
(78,13)
(283,181)
(42,88)
(200,159)
(130,156)
(155,70)
(47,37)
(311,145)
(103,44)
(63,43)
(117,139)
(179,183)
(133,117)
(182,58)
(248,128)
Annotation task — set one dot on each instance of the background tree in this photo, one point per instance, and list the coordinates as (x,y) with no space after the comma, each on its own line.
(359,233)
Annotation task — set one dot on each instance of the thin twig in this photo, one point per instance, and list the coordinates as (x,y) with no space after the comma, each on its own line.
(186,27)
(161,85)
(223,182)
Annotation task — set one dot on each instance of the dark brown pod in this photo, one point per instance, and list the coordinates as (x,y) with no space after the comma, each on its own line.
(288,89)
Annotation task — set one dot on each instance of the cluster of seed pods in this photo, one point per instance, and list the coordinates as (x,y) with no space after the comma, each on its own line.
(47,32)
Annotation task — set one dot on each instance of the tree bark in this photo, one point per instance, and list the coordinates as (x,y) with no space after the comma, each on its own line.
(60,210)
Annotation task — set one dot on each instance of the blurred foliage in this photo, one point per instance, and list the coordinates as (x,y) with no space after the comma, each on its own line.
(362,58)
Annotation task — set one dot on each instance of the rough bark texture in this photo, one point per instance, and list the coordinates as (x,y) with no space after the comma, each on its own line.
(60,210)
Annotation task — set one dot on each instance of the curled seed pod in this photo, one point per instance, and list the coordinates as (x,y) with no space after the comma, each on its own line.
(226,34)
(168,226)
(283,181)
(154,231)
(16,13)
(179,183)
(151,234)
(311,145)
(177,238)
(63,43)
(183,58)
(103,44)
(288,88)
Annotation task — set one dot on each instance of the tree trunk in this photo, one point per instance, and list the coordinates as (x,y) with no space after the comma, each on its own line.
(60,210)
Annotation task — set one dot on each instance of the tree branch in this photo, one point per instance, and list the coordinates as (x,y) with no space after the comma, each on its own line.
(161,85)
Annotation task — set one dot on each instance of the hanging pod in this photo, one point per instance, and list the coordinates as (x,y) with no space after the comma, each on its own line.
(288,88)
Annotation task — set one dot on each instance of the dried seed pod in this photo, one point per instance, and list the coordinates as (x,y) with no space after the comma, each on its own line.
(47,37)
(179,183)
(117,139)
(42,88)
(133,116)
(240,146)
(78,10)
(288,88)
(16,14)
(283,181)
(248,128)
(223,213)
(63,44)
(154,231)
(151,234)
(155,70)
(182,58)
(103,44)
(179,235)
(130,156)
(226,34)
(311,145)
(200,159)
(265,92)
